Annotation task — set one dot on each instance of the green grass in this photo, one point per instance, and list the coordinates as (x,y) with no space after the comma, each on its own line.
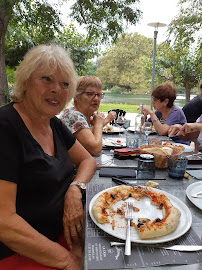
(110,106)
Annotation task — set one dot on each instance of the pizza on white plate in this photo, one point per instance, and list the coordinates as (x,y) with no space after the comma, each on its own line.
(146,228)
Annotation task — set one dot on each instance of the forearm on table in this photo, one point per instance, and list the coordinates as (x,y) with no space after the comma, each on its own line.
(161,129)
(22,238)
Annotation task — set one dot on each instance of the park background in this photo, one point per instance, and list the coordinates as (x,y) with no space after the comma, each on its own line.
(109,39)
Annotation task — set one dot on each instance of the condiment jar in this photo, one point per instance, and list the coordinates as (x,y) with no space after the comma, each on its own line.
(146,167)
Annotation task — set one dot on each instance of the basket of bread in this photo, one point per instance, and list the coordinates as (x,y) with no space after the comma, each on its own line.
(161,153)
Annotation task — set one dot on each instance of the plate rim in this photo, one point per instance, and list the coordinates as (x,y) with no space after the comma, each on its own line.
(193,200)
(186,147)
(113,132)
(187,212)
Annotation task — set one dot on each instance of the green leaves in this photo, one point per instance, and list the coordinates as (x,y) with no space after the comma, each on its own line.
(123,65)
(105,19)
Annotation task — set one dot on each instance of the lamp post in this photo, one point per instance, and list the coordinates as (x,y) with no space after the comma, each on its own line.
(156,25)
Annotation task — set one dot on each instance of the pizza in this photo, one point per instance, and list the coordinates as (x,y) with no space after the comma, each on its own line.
(145,227)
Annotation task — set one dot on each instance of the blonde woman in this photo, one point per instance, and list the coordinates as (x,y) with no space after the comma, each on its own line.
(41,213)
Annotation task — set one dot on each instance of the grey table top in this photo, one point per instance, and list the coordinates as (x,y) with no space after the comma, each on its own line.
(175,187)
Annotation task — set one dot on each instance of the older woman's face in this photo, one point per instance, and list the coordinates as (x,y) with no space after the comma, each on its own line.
(158,104)
(89,102)
(47,92)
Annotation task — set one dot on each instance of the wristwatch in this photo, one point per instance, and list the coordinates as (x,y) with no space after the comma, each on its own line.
(79,184)
(155,120)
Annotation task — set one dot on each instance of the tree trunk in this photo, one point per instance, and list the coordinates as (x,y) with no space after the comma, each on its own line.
(188,89)
(5,14)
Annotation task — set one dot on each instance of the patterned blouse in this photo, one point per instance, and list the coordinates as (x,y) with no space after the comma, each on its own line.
(74,120)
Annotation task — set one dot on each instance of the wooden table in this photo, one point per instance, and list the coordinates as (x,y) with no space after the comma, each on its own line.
(174,187)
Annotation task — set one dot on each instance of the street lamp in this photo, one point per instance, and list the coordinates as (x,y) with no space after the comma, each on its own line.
(156,25)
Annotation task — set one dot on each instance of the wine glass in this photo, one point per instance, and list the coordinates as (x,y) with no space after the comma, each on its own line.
(147,129)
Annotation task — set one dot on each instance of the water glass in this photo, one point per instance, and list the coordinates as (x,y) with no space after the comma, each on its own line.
(146,167)
(126,124)
(130,140)
(177,166)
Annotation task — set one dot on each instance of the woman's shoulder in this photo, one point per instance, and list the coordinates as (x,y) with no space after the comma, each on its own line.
(177,109)
(70,112)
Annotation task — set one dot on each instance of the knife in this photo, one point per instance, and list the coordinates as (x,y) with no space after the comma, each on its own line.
(174,247)
(130,182)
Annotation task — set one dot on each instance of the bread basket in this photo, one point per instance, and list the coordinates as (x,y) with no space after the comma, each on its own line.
(161,160)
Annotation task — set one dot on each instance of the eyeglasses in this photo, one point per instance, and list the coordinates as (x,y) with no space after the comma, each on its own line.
(92,95)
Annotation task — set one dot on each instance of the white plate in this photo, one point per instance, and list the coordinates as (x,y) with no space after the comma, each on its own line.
(147,210)
(114,142)
(192,189)
(187,148)
(132,129)
(115,130)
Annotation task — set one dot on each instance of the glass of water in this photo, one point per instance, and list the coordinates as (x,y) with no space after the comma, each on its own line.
(147,129)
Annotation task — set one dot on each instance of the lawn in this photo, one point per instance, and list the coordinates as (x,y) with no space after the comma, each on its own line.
(125,107)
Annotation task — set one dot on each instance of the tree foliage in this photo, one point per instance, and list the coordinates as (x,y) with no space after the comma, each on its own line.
(80,47)
(123,65)
(105,18)
(179,59)
(32,22)
(186,27)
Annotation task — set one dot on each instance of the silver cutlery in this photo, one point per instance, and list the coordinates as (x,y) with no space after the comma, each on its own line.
(128,217)
(174,247)
(197,195)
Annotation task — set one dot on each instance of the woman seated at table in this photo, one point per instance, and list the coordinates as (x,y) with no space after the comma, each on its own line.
(83,119)
(41,212)
(166,114)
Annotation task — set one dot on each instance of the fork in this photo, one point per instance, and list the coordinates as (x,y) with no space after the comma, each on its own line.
(128,217)
(197,195)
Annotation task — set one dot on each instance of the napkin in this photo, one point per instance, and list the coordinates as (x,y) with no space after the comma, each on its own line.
(197,174)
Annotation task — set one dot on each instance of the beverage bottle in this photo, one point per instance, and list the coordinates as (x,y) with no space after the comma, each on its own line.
(139,120)
(139,124)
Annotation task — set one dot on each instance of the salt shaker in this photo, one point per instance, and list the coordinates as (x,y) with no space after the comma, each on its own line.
(146,167)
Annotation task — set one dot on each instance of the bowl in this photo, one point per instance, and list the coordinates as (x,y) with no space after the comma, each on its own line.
(161,160)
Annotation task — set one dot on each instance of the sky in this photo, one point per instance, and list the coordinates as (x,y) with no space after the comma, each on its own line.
(162,11)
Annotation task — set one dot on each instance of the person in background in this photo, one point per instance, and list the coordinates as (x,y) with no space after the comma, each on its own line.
(166,114)
(41,211)
(193,108)
(83,118)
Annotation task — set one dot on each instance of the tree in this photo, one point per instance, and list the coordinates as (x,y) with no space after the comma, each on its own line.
(81,48)
(186,27)
(28,27)
(102,19)
(185,40)
(123,65)
(181,66)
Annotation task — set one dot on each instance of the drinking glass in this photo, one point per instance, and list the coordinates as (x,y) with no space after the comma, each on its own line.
(147,129)
(177,166)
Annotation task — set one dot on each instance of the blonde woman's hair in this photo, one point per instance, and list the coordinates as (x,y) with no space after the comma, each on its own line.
(47,57)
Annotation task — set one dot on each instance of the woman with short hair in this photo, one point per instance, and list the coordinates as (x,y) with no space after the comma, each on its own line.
(166,114)
(83,118)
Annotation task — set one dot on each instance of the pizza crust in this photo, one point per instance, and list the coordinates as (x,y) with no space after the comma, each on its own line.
(149,229)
